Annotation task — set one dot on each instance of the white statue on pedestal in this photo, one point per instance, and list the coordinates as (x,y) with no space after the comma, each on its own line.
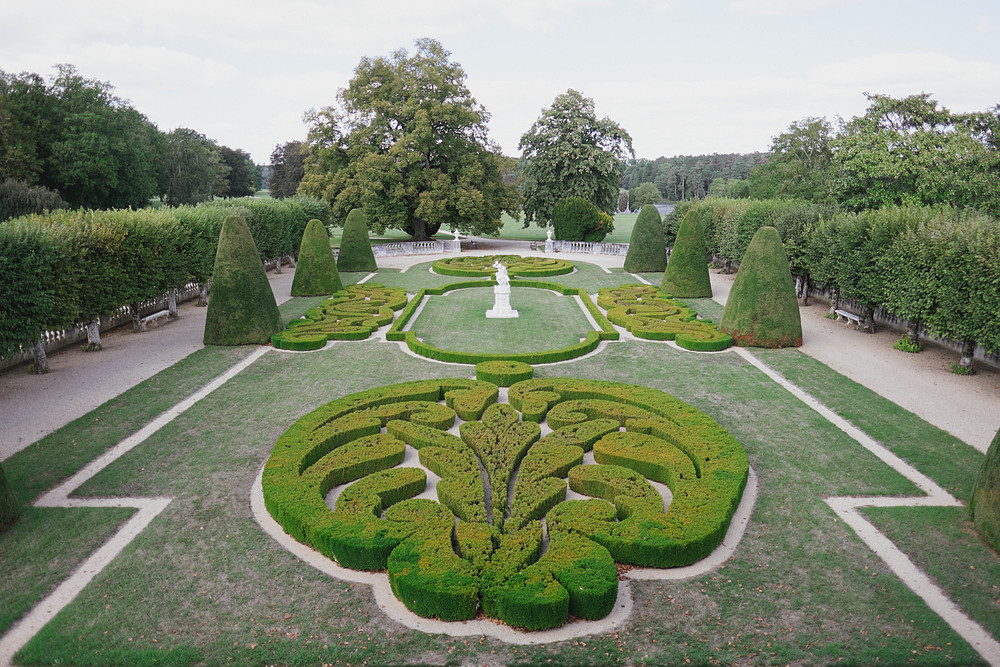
(501,295)
(550,245)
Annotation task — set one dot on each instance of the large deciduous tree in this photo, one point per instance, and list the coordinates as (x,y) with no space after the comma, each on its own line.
(194,168)
(570,152)
(287,168)
(408,145)
(800,163)
(243,178)
(912,151)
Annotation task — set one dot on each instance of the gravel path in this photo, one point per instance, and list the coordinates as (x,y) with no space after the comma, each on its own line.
(33,406)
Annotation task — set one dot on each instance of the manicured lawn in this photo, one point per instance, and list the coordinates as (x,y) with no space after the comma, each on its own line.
(203,585)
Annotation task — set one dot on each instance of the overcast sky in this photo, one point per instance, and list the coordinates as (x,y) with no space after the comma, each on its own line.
(682,77)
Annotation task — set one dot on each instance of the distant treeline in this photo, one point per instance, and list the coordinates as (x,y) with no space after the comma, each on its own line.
(692,176)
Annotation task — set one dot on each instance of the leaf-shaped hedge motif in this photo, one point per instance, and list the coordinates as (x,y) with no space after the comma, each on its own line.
(502,537)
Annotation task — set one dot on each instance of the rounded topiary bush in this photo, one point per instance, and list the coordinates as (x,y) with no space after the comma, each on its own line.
(8,504)
(355,248)
(647,251)
(687,271)
(504,373)
(762,310)
(316,272)
(984,507)
(577,219)
(242,309)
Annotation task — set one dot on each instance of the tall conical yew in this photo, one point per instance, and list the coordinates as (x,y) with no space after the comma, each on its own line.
(316,272)
(984,507)
(355,248)
(242,309)
(762,310)
(687,270)
(647,250)
(8,503)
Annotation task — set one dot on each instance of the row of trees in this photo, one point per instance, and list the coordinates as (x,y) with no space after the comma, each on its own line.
(935,267)
(73,267)
(688,176)
(74,136)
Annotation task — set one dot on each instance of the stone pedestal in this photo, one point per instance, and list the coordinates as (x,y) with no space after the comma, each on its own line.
(501,304)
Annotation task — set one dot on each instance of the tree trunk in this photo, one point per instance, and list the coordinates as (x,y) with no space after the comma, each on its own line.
(913,331)
(419,229)
(290,260)
(867,319)
(137,324)
(802,289)
(202,296)
(94,335)
(968,352)
(41,365)
(834,302)
(172,303)
(277,265)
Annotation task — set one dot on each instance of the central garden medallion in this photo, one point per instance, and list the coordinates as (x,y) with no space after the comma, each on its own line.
(502,538)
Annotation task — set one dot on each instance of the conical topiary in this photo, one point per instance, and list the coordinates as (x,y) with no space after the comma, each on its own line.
(316,272)
(355,248)
(242,309)
(984,507)
(687,270)
(8,503)
(647,251)
(762,310)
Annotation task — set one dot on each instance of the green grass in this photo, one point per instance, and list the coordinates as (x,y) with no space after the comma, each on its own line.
(210,588)
(457,321)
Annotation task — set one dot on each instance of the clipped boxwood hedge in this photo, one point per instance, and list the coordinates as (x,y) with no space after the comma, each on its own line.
(493,559)
(646,312)
(504,373)
(481,266)
(351,314)
(589,344)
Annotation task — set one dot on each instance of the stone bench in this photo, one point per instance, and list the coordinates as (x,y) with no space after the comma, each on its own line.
(848,317)
(153,317)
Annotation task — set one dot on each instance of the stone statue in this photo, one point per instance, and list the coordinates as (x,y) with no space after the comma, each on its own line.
(503,280)
(501,295)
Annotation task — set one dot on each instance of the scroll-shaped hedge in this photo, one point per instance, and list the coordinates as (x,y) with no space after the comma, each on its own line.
(351,314)
(471,266)
(501,480)
(649,313)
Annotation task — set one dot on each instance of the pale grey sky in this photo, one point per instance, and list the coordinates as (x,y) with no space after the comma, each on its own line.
(682,77)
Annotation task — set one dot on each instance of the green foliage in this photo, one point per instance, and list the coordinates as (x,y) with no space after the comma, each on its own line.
(577,219)
(9,509)
(691,177)
(194,169)
(648,313)
(800,165)
(316,271)
(287,168)
(498,562)
(642,194)
(984,505)
(277,225)
(762,310)
(351,314)
(27,295)
(568,152)
(647,250)
(17,198)
(242,179)
(408,145)
(686,275)
(910,151)
(74,136)
(355,248)
(504,373)
(904,344)
(242,309)
(469,266)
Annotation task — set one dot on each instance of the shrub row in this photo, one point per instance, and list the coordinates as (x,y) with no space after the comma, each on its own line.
(589,344)
(70,267)
(351,314)
(648,313)
(479,266)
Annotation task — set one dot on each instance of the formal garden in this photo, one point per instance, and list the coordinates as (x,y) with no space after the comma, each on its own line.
(605,479)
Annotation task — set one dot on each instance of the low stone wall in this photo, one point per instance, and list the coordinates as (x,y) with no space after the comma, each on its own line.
(584,248)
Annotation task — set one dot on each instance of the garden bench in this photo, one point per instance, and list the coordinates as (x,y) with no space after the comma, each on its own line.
(850,317)
(152,318)
(533,245)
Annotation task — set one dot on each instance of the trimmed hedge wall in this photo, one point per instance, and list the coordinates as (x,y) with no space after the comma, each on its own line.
(481,266)
(9,509)
(492,559)
(646,312)
(351,314)
(607,332)
(69,267)
(504,373)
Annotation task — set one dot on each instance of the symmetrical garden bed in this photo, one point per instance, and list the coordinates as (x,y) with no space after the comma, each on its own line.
(352,314)
(498,557)
(648,313)
(471,266)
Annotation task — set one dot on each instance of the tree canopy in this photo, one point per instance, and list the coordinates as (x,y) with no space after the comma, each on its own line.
(407,143)
(800,165)
(194,168)
(287,168)
(569,152)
